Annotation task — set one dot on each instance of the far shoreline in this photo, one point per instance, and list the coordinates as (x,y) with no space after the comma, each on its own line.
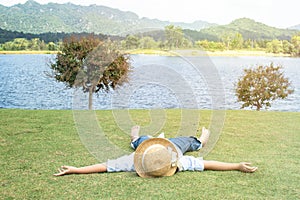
(180,52)
(198,52)
(28,52)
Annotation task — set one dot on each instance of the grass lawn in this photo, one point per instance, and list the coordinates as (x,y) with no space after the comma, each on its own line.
(35,143)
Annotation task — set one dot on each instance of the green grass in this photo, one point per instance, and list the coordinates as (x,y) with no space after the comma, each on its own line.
(35,143)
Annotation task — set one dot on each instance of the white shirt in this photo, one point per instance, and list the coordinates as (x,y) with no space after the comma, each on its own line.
(126,164)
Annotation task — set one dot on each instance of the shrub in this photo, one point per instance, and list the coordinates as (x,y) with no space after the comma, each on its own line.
(261,85)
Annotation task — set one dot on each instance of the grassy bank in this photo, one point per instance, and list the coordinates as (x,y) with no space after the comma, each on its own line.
(196,52)
(35,143)
(28,52)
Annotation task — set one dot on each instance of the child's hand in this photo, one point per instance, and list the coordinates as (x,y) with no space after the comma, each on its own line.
(64,170)
(246,167)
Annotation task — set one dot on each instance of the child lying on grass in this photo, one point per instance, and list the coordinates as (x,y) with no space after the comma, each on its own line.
(157,157)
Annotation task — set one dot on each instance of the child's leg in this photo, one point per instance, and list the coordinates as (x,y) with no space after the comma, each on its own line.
(204,136)
(191,143)
(186,144)
(136,140)
(134,133)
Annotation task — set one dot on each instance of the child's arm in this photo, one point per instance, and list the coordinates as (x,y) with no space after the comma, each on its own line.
(222,166)
(64,170)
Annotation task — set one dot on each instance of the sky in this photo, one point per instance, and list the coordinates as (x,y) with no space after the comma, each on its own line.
(277,13)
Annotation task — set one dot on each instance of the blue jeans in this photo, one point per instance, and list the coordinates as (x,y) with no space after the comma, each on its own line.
(185,144)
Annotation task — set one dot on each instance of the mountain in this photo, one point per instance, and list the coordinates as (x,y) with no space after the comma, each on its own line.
(33,17)
(249,29)
(296,27)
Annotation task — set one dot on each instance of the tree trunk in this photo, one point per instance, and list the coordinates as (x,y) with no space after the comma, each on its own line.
(258,106)
(91,98)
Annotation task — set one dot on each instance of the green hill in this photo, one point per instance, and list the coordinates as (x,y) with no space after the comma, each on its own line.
(33,17)
(249,29)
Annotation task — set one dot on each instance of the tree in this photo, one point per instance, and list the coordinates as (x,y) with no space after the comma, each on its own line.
(275,46)
(237,41)
(91,64)
(248,44)
(20,44)
(131,42)
(287,47)
(226,39)
(51,46)
(147,43)
(261,85)
(210,45)
(296,44)
(36,44)
(174,36)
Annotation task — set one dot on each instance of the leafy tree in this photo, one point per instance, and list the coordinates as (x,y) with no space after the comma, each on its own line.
(261,85)
(226,39)
(90,64)
(237,41)
(262,44)
(210,45)
(174,36)
(7,46)
(202,44)
(148,43)
(20,43)
(16,45)
(131,42)
(296,44)
(248,44)
(35,44)
(287,47)
(51,46)
(186,43)
(275,46)
(232,40)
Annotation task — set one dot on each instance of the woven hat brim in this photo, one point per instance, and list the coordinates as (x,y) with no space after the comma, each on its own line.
(142,148)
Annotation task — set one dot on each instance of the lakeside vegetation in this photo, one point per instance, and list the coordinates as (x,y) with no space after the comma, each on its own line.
(146,45)
(235,37)
(134,45)
(35,143)
(198,52)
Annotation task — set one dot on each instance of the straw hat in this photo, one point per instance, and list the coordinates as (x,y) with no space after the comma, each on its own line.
(155,157)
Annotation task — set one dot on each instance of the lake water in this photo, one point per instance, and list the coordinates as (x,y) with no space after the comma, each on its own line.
(155,82)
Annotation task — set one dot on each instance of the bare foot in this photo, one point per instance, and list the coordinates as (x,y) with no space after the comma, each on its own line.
(135,132)
(204,136)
